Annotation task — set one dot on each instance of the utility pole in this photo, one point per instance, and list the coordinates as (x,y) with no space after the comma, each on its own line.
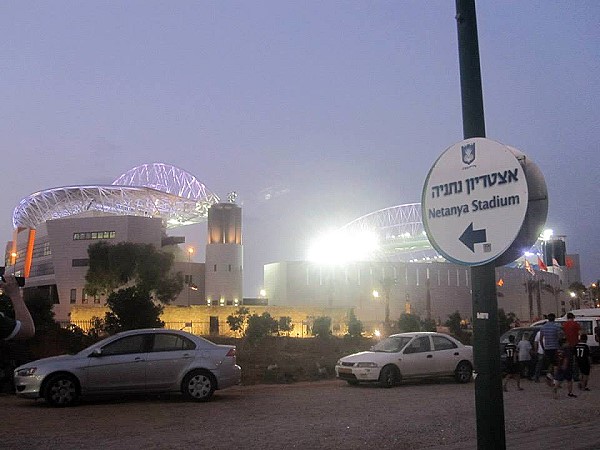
(489,403)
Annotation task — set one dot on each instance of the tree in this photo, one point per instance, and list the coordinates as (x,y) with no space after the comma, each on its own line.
(577,291)
(260,326)
(132,308)
(125,264)
(321,327)
(505,321)
(454,324)
(409,322)
(355,326)
(285,325)
(237,321)
(428,325)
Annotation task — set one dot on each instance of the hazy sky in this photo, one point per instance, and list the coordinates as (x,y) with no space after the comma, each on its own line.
(335,108)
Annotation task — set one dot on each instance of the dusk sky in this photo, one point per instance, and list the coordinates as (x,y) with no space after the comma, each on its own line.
(315,113)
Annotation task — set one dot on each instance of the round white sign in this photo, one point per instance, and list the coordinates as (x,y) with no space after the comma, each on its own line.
(474,201)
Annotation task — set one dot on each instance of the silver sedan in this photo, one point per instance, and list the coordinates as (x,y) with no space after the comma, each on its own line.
(137,361)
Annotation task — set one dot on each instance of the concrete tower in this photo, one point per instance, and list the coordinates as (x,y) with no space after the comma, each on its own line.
(224,255)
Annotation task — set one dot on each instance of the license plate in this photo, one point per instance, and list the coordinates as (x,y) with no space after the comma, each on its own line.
(344,370)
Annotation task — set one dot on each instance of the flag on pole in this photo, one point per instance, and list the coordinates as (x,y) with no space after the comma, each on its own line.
(569,263)
(528,268)
(542,265)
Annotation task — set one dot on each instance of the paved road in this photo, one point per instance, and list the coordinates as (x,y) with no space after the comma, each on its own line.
(324,415)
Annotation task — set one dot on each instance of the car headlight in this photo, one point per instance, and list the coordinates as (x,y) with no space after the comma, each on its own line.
(26,372)
(366,364)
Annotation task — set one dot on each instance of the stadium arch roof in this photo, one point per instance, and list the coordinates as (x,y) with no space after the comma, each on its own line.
(150,190)
(400,231)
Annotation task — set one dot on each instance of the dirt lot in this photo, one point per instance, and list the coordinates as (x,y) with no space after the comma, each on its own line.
(324,414)
(287,360)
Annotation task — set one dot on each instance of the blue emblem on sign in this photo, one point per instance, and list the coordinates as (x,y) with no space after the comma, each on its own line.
(468,153)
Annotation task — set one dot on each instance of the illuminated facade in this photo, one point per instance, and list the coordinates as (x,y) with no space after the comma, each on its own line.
(54,227)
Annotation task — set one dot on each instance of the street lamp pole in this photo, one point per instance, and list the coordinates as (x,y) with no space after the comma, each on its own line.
(190,251)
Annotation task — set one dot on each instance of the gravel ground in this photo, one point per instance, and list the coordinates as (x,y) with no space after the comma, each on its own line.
(325,414)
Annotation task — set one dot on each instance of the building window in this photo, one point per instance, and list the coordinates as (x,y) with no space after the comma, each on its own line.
(81,262)
(84,297)
(230,267)
(89,235)
(73,295)
(215,268)
(96,298)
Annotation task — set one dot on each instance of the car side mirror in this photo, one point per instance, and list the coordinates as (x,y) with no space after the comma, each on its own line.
(96,353)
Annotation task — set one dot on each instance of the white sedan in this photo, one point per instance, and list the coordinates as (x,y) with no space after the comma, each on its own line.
(408,355)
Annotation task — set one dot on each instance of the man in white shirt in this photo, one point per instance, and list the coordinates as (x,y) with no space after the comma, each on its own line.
(539,350)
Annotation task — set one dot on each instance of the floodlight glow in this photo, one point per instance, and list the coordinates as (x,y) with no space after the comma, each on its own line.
(547,234)
(340,247)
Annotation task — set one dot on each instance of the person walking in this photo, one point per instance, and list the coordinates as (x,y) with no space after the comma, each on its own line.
(549,336)
(524,351)
(584,362)
(562,372)
(539,357)
(512,367)
(572,329)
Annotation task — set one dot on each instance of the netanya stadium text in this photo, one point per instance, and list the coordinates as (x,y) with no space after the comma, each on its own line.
(476,205)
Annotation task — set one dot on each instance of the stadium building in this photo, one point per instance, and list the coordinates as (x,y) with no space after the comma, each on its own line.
(54,227)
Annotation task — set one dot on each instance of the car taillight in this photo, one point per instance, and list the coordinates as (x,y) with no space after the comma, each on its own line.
(231,352)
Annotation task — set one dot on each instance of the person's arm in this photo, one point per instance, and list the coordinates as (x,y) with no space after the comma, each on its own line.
(11,289)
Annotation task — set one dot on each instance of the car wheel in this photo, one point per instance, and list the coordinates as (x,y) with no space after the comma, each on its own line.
(199,385)
(352,382)
(61,390)
(388,377)
(463,372)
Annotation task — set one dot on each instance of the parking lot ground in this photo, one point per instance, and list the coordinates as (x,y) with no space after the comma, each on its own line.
(580,436)
(324,415)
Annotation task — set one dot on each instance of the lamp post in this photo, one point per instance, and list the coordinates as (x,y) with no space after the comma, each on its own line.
(190,252)
(13,257)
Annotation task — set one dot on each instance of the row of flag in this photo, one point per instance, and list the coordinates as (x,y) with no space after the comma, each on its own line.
(542,266)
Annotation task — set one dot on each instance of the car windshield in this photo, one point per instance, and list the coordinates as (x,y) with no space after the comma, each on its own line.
(391,344)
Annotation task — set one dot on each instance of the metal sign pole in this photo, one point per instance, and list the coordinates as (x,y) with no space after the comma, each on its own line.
(488,383)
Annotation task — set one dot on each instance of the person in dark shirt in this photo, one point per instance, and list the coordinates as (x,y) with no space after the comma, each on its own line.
(584,362)
(21,327)
(512,365)
(562,370)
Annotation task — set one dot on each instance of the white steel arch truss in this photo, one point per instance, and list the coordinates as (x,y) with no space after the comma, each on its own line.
(169,179)
(163,191)
(400,230)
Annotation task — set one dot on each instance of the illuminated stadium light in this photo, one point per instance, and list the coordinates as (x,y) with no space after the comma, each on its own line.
(340,247)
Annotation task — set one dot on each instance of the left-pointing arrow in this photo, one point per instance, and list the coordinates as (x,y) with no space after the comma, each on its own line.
(470,237)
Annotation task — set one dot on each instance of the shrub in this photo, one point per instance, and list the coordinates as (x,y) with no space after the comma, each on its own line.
(355,326)
(321,327)
(261,326)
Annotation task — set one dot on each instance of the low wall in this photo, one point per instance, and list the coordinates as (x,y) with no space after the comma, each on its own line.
(212,320)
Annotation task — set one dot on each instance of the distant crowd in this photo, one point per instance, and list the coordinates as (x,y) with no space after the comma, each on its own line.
(561,351)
